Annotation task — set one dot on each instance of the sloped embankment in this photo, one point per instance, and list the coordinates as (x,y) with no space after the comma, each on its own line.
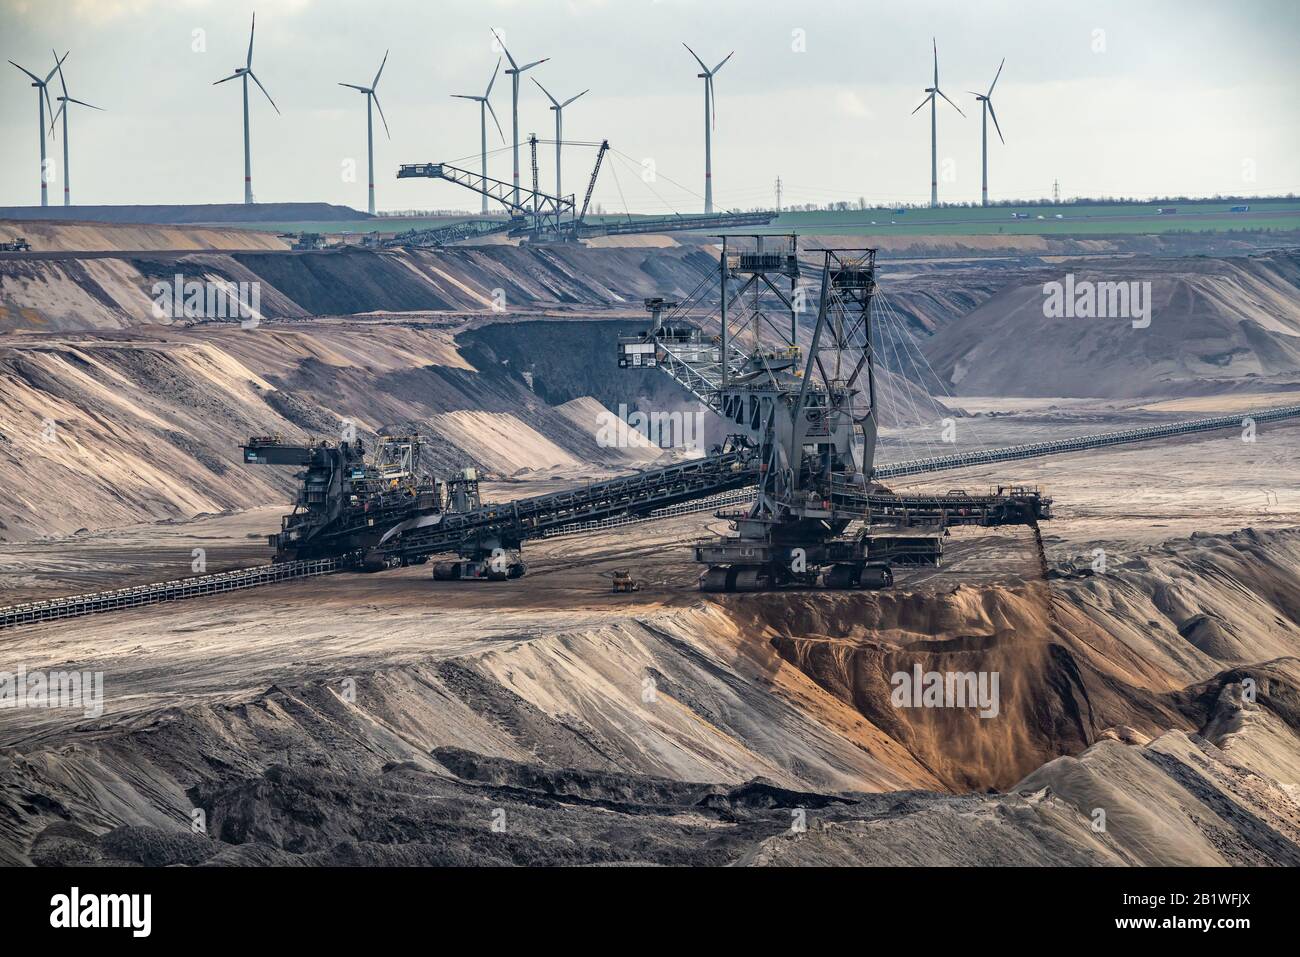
(51,233)
(97,432)
(66,293)
(595,746)
(1215,325)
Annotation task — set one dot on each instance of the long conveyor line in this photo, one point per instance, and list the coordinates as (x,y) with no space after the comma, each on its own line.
(1081,443)
(980,457)
(156,593)
(139,595)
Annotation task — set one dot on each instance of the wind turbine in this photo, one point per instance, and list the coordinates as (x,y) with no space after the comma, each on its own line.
(709,120)
(986,107)
(64,100)
(372,96)
(558,107)
(514,73)
(484,108)
(43,97)
(245,72)
(931,92)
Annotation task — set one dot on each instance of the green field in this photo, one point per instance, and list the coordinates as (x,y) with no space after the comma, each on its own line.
(1043,220)
(337,226)
(1062,220)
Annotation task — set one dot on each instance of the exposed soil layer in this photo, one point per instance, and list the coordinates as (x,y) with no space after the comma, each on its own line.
(99,431)
(714,732)
(1214,325)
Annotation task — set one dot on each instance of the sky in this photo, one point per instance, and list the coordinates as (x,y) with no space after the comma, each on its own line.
(1110,98)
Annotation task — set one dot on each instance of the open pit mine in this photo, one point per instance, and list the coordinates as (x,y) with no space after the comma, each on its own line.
(746,551)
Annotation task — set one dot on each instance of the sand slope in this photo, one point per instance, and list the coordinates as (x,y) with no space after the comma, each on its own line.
(97,432)
(49,236)
(1215,325)
(690,733)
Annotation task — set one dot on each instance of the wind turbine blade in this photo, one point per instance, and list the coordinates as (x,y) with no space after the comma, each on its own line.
(59,67)
(353,86)
(547,92)
(29,73)
(995,76)
(62,105)
(488,104)
(231,77)
(57,63)
(713,99)
(572,98)
(45,92)
(263,89)
(923,102)
(494,78)
(374,97)
(381,70)
(84,103)
(251,31)
(504,48)
(950,102)
(995,122)
(697,59)
(936,61)
(458,96)
(724,62)
(529,66)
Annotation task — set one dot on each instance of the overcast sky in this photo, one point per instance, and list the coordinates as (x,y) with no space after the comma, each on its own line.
(1111,97)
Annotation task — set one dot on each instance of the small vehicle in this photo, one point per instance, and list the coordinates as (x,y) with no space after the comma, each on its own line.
(622,581)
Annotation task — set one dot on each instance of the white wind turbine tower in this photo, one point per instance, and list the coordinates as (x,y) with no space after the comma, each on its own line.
(707,76)
(245,72)
(64,100)
(986,105)
(514,72)
(43,97)
(484,108)
(932,92)
(558,107)
(372,97)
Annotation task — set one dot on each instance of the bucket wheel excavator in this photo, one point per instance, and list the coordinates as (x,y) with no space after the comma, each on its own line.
(804,412)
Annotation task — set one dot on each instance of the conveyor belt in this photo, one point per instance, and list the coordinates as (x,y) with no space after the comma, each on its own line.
(74,606)
(1081,443)
(534,517)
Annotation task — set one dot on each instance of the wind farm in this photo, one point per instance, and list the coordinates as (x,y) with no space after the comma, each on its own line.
(667,190)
